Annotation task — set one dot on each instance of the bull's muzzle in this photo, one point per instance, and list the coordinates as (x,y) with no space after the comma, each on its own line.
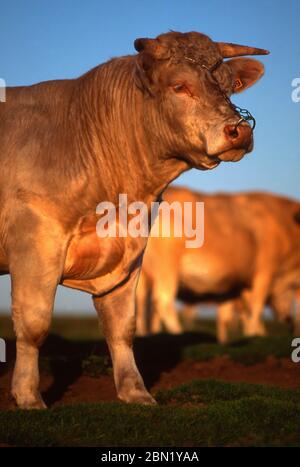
(239,136)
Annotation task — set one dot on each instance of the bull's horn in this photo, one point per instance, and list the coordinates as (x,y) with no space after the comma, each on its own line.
(228,50)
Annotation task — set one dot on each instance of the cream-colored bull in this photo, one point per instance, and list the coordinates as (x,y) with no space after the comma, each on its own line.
(128,126)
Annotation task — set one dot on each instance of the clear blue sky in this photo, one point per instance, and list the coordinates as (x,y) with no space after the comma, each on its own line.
(48,39)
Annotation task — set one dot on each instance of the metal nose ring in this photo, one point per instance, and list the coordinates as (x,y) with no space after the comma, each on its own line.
(241,120)
(245,116)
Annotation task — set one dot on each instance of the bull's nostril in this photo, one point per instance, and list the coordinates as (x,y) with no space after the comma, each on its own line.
(232,131)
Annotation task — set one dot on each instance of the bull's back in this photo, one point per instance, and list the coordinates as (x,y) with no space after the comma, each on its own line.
(32,120)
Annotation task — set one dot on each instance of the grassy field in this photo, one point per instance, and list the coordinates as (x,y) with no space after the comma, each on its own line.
(203,411)
(206,413)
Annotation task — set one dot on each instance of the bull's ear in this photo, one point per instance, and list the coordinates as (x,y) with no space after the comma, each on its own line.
(150,52)
(245,73)
(151,47)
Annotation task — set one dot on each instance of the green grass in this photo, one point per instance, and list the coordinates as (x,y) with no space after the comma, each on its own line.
(246,351)
(211,391)
(221,414)
(200,413)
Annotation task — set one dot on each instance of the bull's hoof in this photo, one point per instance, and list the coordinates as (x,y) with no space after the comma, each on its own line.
(255,329)
(31,403)
(138,397)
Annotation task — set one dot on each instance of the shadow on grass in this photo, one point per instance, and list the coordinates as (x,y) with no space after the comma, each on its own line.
(66,359)
(162,352)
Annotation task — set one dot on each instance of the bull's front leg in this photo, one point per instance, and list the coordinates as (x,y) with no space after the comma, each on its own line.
(116,312)
(36,267)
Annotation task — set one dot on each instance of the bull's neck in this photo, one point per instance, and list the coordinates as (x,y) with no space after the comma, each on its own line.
(116,122)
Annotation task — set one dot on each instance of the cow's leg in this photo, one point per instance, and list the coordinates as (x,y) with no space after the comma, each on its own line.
(163,303)
(31,319)
(245,311)
(34,275)
(116,312)
(189,314)
(255,300)
(253,328)
(155,321)
(142,306)
(225,317)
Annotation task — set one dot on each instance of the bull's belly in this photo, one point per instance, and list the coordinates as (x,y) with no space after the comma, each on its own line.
(211,277)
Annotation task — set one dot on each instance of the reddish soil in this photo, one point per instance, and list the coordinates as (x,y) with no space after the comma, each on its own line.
(278,372)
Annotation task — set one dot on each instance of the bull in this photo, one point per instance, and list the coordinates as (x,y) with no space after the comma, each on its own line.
(130,125)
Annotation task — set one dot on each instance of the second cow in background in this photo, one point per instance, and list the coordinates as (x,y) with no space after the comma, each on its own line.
(250,258)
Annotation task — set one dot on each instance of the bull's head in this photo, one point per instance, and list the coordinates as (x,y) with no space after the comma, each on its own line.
(186,75)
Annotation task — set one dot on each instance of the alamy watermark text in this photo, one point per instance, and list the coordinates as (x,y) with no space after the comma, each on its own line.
(161,220)
(296,90)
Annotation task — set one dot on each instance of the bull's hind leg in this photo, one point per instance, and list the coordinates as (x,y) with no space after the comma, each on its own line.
(35,275)
(116,312)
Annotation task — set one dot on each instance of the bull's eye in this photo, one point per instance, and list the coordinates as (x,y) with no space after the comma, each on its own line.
(181,88)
